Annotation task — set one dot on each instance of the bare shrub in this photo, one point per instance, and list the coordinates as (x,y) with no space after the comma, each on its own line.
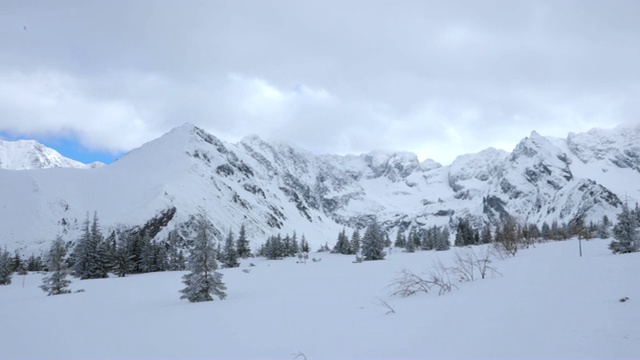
(410,284)
(483,262)
(439,277)
(465,265)
(386,305)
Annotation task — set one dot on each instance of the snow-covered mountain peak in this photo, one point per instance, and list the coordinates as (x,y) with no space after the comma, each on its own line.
(393,165)
(30,154)
(619,146)
(273,187)
(481,165)
(429,164)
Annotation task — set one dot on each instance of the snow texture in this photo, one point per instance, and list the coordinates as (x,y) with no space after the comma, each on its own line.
(549,303)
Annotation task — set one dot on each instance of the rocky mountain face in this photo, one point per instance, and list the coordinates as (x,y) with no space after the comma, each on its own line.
(276,188)
(30,154)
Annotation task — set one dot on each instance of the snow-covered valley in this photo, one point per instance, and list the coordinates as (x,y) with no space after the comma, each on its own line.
(547,303)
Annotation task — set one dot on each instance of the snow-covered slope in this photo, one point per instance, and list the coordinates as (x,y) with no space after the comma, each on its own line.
(30,154)
(549,303)
(276,188)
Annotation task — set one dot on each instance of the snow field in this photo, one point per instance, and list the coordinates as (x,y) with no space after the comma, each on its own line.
(549,303)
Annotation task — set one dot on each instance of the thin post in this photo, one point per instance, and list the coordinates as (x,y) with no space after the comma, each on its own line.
(580,244)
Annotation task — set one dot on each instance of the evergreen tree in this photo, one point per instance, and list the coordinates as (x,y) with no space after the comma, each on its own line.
(219,253)
(534,231)
(625,233)
(18,265)
(442,239)
(485,236)
(401,241)
(602,230)
(373,243)
(5,267)
(110,249)
(34,263)
(546,231)
(56,282)
(387,240)
(465,235)
(414,237)
(244,251)
(175,256)
(81,251)
(99,261)
(135,244)
(161,256)
(230,255)
(555,230)
(428,239)
(123,260)
(286,246)
(103,259)
(410,245)
(91,254)
(147,254)
(304,245)
(203,279)
(273,248)
(295,247)
(343,245)
(355,242)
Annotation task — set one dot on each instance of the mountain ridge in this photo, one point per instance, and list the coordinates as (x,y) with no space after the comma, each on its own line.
(277,188)
(30,154)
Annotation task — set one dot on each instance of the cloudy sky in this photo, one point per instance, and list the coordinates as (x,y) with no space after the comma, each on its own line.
(438,78)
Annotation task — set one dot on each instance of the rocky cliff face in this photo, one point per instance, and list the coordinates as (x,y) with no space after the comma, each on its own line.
(274,187)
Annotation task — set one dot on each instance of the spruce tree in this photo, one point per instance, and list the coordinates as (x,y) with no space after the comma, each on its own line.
(428,239)
(355,242)
(602,230)
(304,245)
(56,282)
(81,252)
(373,243)
(229,253)
(625,233)
(400,239)
(91,253)
(343,246)
(485,236)
(388,242)
(442,240)
(410,245)
(295,247)
(18,265)
(99,252)
(5,267)
(147,261)
(244,251)
(123,260)
(203,280)
(34,263)
(286,246)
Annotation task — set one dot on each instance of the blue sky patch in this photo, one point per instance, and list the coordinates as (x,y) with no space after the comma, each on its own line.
(68,147)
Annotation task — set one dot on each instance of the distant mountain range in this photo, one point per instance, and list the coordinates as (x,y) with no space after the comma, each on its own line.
(272,187)
(30,154)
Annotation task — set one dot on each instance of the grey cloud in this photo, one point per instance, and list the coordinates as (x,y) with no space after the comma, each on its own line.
(438,78)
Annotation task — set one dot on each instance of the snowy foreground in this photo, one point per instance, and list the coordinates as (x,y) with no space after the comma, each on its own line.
(548,303)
